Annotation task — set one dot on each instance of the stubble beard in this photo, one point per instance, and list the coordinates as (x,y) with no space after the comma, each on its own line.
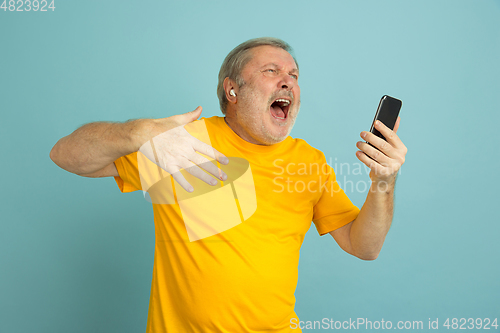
(249,115)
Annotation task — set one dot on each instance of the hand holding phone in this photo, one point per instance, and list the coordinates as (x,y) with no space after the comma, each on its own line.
(388,157)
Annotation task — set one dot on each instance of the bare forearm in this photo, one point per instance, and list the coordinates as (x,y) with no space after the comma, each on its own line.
(96,145)
(368,231)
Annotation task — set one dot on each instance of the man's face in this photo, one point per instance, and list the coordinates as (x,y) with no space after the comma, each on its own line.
(269,101)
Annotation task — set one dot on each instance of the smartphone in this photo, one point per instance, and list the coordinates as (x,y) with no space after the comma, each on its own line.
(387,113)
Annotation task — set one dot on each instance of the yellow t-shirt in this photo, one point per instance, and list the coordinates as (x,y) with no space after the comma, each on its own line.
(238,277)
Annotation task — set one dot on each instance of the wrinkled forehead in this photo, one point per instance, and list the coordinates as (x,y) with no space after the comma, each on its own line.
(261,56)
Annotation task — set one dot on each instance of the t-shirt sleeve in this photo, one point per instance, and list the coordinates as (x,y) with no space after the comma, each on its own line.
(128,171)
(333,209)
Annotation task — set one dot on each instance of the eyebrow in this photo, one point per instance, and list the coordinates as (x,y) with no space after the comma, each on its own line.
(295,70)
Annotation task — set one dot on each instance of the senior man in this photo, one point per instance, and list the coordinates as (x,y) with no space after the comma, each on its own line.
(243,278)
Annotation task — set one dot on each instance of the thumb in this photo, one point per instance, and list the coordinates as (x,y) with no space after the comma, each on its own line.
(191,115)
(396,126)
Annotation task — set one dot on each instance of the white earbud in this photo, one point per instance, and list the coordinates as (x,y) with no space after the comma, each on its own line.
(232,93)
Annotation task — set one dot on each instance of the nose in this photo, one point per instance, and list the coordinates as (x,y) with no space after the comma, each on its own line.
(286,82)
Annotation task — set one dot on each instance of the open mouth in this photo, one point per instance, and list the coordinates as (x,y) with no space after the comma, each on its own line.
(279,108)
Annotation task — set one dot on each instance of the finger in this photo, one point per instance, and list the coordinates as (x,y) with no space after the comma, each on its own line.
(194,170)
(396,126)
(366,160)
(207,165)
(179,178)
(210,151)
(388,134)
(373,152)
(378,143)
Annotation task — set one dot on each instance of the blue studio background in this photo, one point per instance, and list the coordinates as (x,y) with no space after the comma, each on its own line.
(76,255)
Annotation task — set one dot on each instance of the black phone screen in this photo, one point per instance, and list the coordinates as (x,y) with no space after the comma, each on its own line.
(387,113)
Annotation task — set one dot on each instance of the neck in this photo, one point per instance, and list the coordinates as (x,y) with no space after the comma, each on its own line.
(236,128)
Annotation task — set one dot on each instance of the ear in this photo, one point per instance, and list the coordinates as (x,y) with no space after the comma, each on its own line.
(228,86)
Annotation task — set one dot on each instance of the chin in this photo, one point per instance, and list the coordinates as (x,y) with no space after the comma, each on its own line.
(272,137)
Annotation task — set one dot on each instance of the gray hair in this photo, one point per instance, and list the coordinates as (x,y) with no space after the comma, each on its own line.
(237,59)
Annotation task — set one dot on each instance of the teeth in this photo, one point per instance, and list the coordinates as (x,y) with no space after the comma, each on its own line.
(283,100)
